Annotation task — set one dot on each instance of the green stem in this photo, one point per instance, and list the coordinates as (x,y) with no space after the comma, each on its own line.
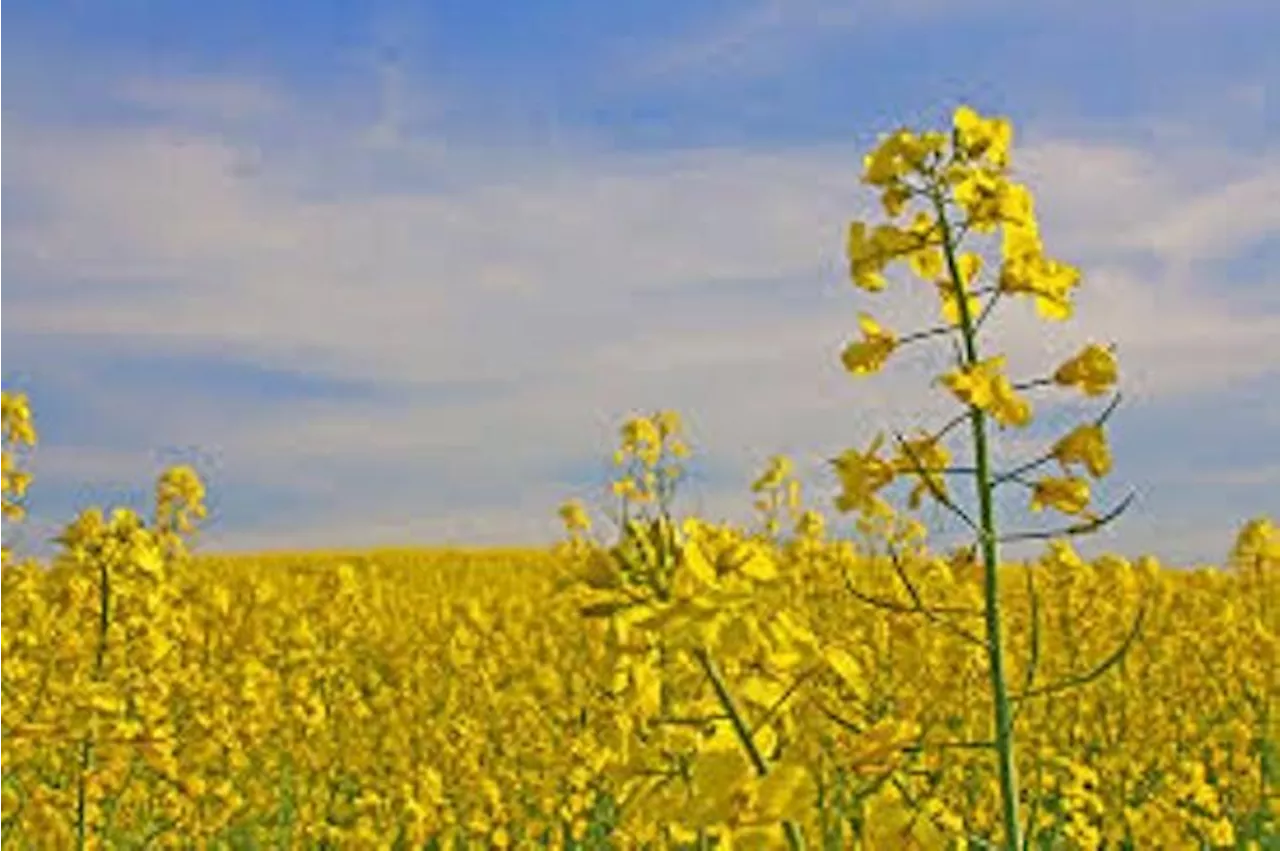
(794,838)
(100,657)
(1003,710)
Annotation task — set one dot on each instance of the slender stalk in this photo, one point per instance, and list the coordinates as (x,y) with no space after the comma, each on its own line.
(1002,707)
(99,660)
(794,838)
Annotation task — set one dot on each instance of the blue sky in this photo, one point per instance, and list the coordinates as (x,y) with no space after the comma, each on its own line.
(392,273)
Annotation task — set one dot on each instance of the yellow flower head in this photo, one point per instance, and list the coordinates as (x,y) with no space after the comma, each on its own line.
(924,458)
(1069,495)
(1259,539)
(778,470)
(980,194)
(810,525)
(1093,370)
(977,137)
(870,353)
(15,414)
(984,386)
(180,499)
(898,155)
(862,475)
(1026,270)
(640,432)
(1086,445)
(575,517)
(668,423)
(866,265)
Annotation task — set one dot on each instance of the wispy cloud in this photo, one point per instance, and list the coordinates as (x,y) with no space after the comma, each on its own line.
(766,37)
(759,37)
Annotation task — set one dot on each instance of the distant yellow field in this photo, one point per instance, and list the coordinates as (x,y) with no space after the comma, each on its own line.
(383,699)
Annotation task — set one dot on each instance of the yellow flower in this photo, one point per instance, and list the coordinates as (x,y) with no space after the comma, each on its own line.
(810,525)
(1086,445)
(1027,271)
(1017,207)
(979,194)
(978,137)
(865,263)
(779,469)
(1093,370)
(894,199)
(1221,833)
(668,423)
(1258,539)
(639,432)
(625,488)
(862,475)
(869,251)
(788,792)
(985,387)
(575,516)
(1020,242)
(885,164)
(1070,495)
(926,262)
(898,155)
(972,385)
(179,500)
(925,458)
(15,413)
(869,354)
(923,231)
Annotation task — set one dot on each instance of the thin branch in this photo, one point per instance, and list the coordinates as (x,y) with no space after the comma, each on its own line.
(986,311)
(1085,528)
(942,746)
(936,331)
(1020,470)
(916,597)
(1033,383)
(1101,668)
(842,722)
(1033,661)
(932,615)
(773,710)
(1108,411)
(1048,456)
(959,418)
(936,491)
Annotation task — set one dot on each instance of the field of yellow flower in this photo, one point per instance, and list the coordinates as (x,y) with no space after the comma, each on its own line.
(679,682)
(388,699)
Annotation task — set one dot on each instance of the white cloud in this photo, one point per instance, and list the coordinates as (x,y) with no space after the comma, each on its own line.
(759,37)
(585,285)
(764,37)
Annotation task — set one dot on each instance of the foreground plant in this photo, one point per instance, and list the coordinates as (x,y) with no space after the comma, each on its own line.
(685,602)
(18,437)
(941,192)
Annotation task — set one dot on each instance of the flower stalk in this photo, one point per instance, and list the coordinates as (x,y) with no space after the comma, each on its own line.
(984,485)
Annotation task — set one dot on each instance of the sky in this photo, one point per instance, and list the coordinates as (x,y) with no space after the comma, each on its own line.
(391,273)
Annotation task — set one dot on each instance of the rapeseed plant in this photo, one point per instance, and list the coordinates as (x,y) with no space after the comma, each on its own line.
(950,188)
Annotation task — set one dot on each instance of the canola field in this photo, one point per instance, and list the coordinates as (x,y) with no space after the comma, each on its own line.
(814,679)
(394,699)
